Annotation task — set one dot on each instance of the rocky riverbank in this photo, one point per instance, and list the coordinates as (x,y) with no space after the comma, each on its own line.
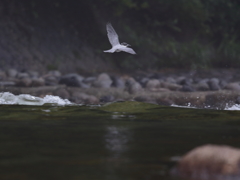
(202,89)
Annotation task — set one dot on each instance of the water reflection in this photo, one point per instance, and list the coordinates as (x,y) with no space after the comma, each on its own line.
(117,139)
(117,116)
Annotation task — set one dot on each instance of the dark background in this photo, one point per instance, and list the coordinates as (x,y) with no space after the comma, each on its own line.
(71,35)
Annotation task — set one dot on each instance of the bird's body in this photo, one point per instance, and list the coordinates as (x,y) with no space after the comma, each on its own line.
(116,46)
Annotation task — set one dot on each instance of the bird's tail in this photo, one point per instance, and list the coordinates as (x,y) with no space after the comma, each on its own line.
(109,51)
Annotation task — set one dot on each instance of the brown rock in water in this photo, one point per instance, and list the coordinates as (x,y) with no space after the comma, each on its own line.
(210,162)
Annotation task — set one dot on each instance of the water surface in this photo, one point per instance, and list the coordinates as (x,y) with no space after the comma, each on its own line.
(128,140)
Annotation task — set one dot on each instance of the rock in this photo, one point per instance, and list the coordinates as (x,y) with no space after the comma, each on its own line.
(24,82)
(170,86)
(89,80)
(62,92)
(22,75)
(187,81)
(55,73)
(133,86)
(221,99)
(223,84)
(38,82)
(170,80)
(202,85)
(153,84)
(187,88)
(72,79)
(237,100)
(12,73)
(51,80)
(118,82)
(33,74)
(103,81)
(145,99)
(3,75)
(105,99)
(144,81)
(7,83)
(83,98)
(235,86)
(210,162)
(180,79)
(214,84)
(164,101)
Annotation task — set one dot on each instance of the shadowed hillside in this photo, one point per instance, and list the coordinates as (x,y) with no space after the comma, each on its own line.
(71,35)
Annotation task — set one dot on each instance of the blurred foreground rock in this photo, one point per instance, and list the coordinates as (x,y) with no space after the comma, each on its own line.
(210,162)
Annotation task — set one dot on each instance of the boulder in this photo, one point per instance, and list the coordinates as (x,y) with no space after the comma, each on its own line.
(83,98)
(235,86)
(11,73)
(103,81)
(210,162)
(214,84)
(133,86)
(72,79)
(153,84)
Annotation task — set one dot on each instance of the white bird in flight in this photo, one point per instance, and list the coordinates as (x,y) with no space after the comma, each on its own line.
(116,46)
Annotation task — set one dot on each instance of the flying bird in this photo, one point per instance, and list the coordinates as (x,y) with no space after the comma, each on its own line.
(116,46)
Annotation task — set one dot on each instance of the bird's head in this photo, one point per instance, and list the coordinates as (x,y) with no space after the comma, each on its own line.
(125,44)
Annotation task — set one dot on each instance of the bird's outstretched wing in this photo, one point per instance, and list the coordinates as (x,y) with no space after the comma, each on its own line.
(112,35)
(128,50)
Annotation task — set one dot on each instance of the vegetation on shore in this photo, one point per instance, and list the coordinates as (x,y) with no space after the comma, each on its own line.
(173,33)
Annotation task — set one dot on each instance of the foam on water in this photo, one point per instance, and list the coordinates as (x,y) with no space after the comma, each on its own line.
(26,99)
(235,107)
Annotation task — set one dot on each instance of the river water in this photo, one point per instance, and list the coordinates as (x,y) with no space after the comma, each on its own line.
(122,140)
